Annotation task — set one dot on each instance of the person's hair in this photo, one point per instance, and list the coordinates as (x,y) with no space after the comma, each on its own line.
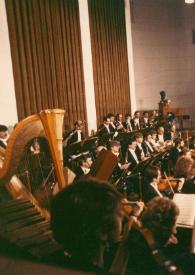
(184,151)
(105,118)
(109,115)
(151,172)
(3,128)
(131,140)
(83,159)
(81,213)
(153,132)
(78,123)
(184,167)
(127,115)
(138,135)
(160,217)
(177,141)
(145,112)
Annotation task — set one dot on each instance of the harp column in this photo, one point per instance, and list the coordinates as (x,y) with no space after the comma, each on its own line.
(87,66)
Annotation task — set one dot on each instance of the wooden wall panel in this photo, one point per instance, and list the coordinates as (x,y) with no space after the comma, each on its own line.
(109,54)
(47,58)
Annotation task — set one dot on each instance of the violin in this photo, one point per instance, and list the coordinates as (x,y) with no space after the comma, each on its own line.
(165,184)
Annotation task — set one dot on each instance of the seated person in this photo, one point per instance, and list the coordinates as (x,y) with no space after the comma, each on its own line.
(3,136)
(140,148)
(85,217)
(136,121)
(147,145)
(152,176)
(119,123)
(153,140)
(127,123)
(145,123)
(104,132)
(176,150)
(146,244)
(75,135)
(185,168)
(112,122)
(131,155)
(121,166)
(85,163)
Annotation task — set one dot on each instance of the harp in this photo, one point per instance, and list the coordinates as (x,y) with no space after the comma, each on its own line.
(23,221)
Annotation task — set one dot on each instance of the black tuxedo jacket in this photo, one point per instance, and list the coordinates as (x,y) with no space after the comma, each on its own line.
(74,138)
(131,159)
(126,126)
(135,126)
(138,152)
(147,150)
(150,193)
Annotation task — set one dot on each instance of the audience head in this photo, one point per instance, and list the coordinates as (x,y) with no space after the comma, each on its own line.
(160,218)
(148,137)
(85,215)
(3,131)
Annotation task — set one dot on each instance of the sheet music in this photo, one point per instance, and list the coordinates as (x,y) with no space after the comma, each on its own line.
(186,204)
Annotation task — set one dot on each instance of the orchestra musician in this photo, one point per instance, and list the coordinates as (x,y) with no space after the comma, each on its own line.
(85,163)
(119,122)
(176,150)
(145,122)
(76,134)
(146,243)
(147,145)
(131,154)
(192,143)
(152,176)
(127,123)
(140,148)
(136,121)
(112,125)
(3,136)
(115,147)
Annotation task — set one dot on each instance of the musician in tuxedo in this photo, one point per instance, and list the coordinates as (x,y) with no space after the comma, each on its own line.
(172,134)
(76,134)
(136,121)
(145,123)
(112,125)
(131,155)
(119,123)
(152,176)
(176,150)
(127,123)
(85,163)
(3,136)
(147,145)
(115,147)
(140,148)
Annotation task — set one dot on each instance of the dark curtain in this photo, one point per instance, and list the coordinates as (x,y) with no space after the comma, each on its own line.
(47,57)
(109,54)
